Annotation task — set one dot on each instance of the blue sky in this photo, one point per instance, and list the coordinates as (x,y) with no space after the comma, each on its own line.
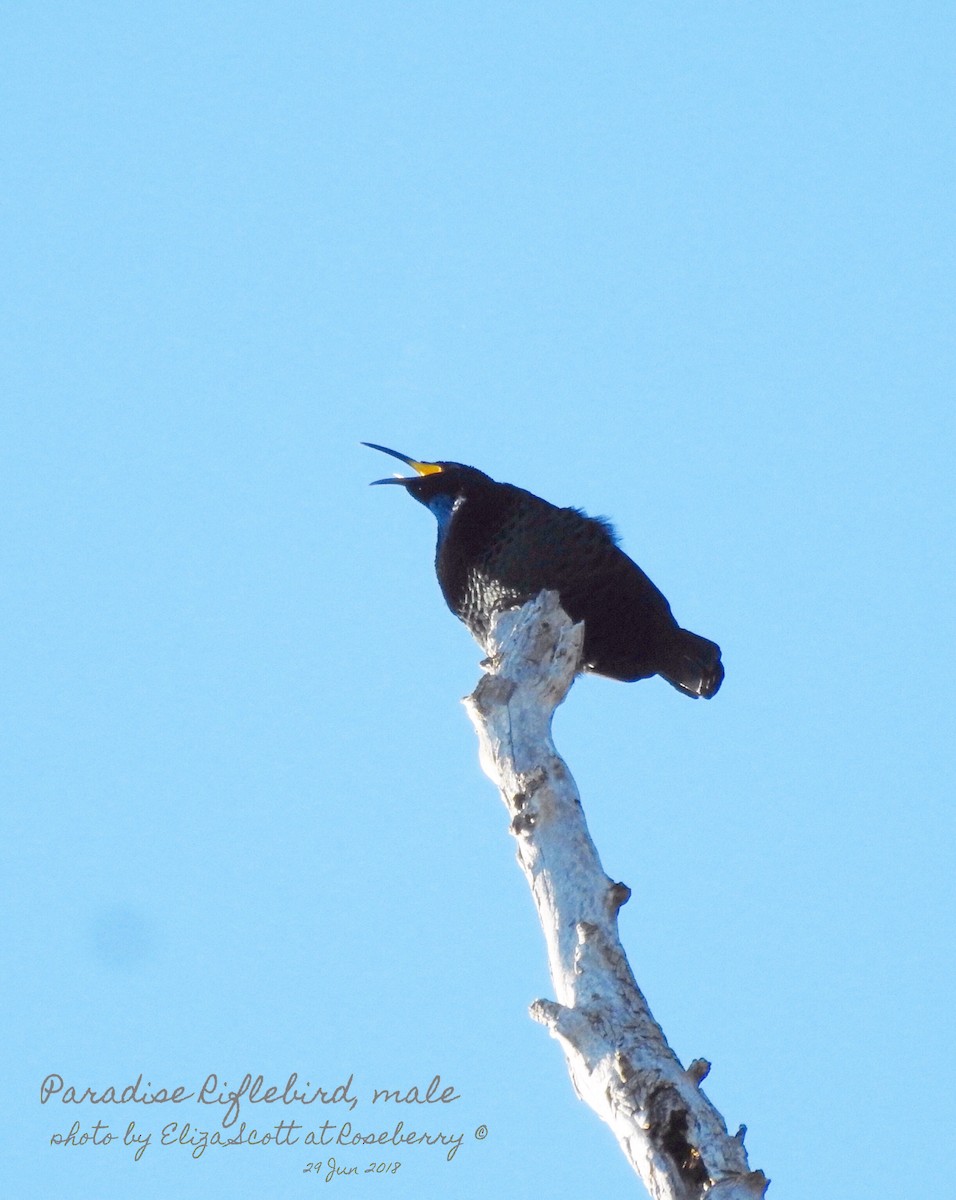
(690,267)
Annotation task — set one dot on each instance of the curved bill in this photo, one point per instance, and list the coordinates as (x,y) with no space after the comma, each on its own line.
(422,468)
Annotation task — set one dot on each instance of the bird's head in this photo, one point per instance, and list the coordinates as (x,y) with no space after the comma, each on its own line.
(437,485)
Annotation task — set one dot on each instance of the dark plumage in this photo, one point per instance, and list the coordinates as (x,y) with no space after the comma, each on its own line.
(499,545)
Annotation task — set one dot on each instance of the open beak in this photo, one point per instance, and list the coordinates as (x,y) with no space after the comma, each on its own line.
(421,468)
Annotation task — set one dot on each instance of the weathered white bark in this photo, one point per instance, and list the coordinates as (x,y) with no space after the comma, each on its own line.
(617,1056)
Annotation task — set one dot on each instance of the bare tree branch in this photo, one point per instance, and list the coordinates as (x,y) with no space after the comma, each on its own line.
(617,1055)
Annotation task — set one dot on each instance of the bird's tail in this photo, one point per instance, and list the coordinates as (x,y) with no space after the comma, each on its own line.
(694,665)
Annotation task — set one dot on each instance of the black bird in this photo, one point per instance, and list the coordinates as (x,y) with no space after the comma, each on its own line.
(499,545)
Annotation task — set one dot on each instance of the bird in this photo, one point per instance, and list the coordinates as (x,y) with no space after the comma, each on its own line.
(499,546)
